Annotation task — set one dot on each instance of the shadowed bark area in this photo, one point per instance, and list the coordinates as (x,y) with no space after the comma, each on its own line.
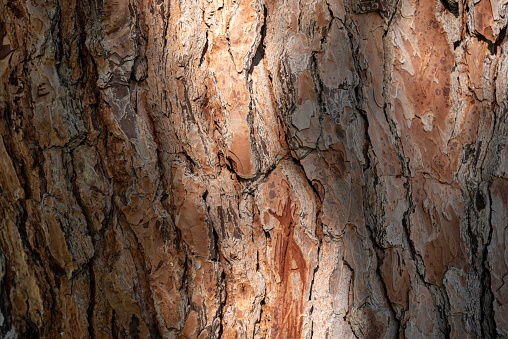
(253,169)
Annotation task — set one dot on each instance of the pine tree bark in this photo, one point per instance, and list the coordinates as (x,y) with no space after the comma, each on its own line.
(253,169)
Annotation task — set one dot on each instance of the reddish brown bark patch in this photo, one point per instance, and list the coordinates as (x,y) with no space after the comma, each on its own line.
(290,264)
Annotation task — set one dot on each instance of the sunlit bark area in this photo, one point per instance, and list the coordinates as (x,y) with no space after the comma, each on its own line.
(253,169)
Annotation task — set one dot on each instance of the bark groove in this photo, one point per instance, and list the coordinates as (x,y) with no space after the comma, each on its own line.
(253,169)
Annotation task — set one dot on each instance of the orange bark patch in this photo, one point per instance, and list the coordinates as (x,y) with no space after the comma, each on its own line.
(483,19)
(292,270)
(427,91)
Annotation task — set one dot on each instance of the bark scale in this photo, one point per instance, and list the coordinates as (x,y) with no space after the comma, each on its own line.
(253,169)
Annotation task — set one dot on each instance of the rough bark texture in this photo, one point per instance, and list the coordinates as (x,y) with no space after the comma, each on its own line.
(253,169)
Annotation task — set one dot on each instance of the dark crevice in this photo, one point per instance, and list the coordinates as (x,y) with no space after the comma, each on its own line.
(442,304)
(253,183)
(262,309)
(4,299)
(205,50)
(252,134)
(318,84)
(218,326)
(391,309)
(260,51)
(493,46)
(216,244)
(347,317)
(487,320)
(452,6)
(390,21)
(500,39)
(31,330)
(314,274)
(114,330)
(310,291)
(91,306)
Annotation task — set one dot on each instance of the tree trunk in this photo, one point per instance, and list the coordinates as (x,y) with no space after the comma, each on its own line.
(253,169)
